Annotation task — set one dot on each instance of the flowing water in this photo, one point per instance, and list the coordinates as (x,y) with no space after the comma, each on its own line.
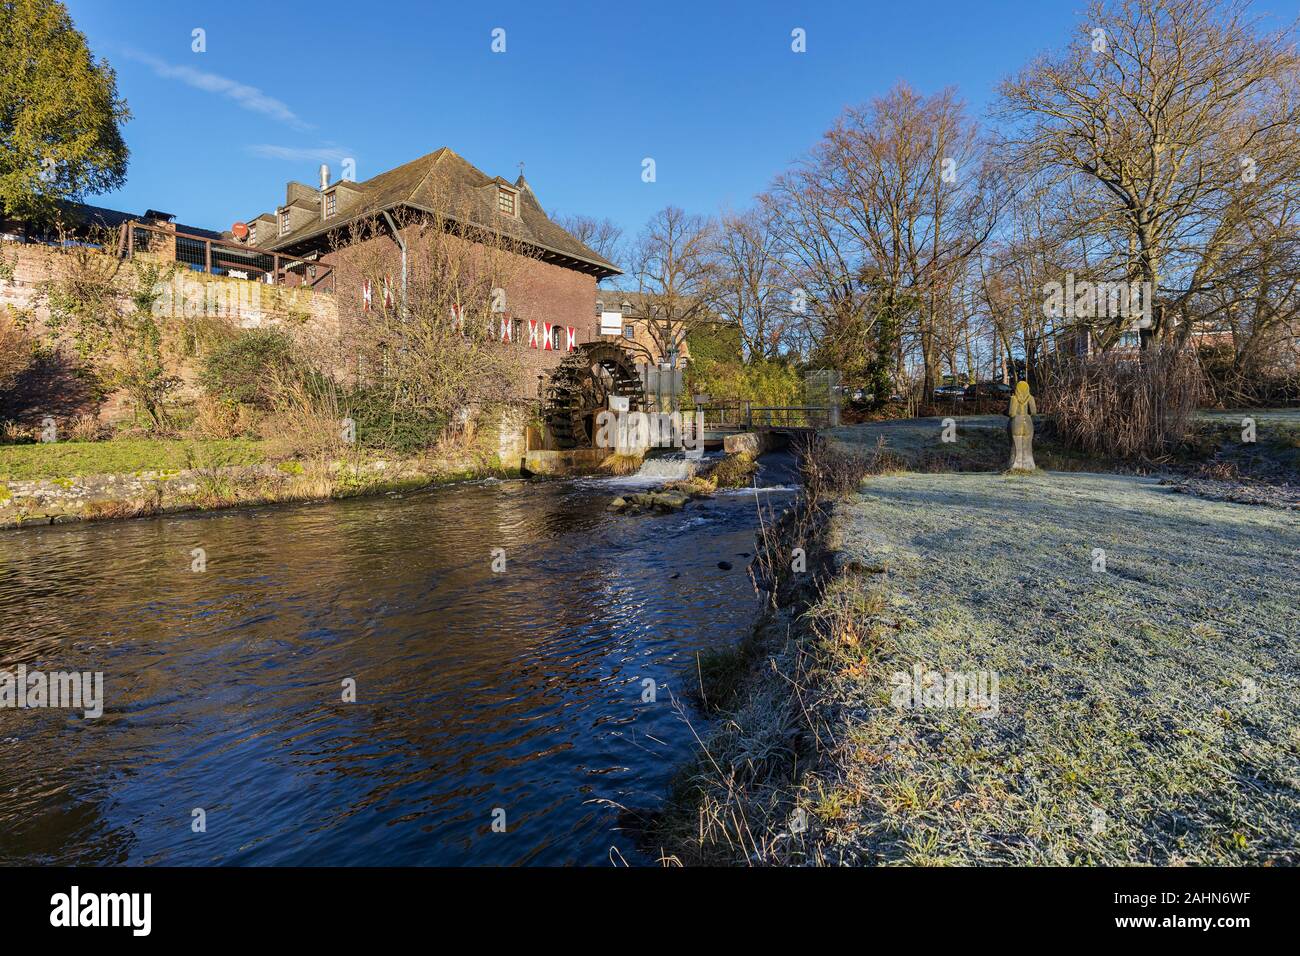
(518,696)
(668,468)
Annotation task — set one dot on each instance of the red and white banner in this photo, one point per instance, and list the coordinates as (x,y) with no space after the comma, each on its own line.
(388,292)
(546,337)
(505,329)
(571,338)
(458,317)
(366,295)
(533,331)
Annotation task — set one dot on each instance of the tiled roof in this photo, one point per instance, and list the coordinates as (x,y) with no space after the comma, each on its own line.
(78,215)
(443,182)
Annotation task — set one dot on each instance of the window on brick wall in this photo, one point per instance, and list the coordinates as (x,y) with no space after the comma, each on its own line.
(629,332)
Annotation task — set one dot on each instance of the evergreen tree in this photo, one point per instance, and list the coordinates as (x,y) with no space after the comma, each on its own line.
(60,115)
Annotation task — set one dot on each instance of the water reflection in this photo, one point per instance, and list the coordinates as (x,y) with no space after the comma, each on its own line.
(476,690)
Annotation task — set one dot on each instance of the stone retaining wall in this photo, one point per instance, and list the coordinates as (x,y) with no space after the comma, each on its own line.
(99,497)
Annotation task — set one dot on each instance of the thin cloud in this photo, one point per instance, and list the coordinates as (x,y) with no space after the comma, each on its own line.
(248,97)
(296,154)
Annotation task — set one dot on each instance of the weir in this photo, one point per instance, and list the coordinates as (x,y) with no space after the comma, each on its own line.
(668,467)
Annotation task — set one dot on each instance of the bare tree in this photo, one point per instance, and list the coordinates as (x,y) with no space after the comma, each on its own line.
(602,236)
(749,288)
(676,276)
(880,219)
(1166,115)
(433,348)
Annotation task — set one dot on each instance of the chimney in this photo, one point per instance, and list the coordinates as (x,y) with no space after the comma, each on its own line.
(324,176)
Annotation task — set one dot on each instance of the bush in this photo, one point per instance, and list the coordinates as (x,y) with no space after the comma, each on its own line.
(214,418)
(1122,406)
(307,420)
(243,370)
(380,424)
(1234,381)
(16,351)
(86,428)
(829,470)
(717,369)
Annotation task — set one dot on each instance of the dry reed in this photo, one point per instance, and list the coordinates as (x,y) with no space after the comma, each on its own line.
(1123,406)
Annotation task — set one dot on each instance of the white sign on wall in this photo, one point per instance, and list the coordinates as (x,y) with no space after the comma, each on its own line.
(611,323)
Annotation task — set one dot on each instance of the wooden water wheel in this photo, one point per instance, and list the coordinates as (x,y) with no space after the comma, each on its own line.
(580,388)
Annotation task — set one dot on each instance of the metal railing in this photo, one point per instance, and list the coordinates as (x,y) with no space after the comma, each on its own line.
(215,257)
(744,416)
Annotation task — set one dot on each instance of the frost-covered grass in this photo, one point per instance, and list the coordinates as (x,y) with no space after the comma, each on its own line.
(1213,448)
(979,441)
(1146,712)
(1146,709)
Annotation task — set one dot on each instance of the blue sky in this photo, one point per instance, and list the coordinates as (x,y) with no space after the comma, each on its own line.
(711,91)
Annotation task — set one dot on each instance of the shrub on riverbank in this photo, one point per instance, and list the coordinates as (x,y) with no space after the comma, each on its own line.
(734,471)
(382,422)
(244,369)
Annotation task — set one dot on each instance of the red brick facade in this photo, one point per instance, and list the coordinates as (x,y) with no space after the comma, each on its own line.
(537,290)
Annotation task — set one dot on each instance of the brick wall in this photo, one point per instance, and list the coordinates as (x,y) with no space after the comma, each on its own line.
(311,317)
(187,293)
(537,290)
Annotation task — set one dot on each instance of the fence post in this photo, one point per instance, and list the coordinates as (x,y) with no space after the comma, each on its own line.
(207,256)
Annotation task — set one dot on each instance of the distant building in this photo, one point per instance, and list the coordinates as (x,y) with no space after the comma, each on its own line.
(622,316)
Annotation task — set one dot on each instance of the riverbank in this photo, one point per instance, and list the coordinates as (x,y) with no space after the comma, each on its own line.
(1218,447)
(59,483)
(1053,669)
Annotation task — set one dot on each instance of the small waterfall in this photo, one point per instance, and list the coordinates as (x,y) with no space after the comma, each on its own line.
(668,468)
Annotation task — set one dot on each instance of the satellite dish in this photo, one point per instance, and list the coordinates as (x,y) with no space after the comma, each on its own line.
(239,230)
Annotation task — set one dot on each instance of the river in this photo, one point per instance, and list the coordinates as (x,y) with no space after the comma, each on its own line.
(513,696)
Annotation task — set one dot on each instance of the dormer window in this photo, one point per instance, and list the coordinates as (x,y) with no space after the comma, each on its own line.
(331,204)
(284,222)
(507,202)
